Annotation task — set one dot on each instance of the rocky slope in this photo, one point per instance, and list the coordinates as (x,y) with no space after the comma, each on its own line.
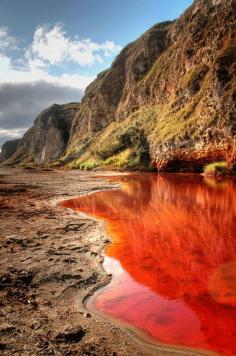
(48,138)
(8,149)
(169,96)
(168,100)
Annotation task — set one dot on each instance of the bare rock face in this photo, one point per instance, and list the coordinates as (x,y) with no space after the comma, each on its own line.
(51,132)
(48,138)
(8,149)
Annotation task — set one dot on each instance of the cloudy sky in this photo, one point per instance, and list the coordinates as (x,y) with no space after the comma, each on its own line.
(50,50)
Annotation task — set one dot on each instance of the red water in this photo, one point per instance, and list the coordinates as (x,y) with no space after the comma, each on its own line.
(172,257)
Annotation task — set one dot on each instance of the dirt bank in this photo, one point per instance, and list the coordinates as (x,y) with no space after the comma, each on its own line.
(50,261)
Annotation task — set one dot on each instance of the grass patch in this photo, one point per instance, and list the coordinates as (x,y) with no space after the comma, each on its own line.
(130,159)
(90,164)
(159,67)
(87,165)
(195,74)
(122,144)
(216,169)
(127,159)
(125,144)
(120,160)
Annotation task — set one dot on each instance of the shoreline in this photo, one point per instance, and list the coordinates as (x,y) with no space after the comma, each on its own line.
(51,263)
(140,335)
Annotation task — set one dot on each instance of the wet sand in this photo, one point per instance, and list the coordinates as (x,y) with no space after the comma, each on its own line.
(50,263)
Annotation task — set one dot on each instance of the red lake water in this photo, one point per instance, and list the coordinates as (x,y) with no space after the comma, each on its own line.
(172,258)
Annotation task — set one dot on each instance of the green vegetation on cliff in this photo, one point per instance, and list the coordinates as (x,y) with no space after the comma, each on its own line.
(216,169)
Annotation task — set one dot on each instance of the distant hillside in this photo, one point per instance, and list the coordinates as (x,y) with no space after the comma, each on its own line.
(168,100)
(48,138)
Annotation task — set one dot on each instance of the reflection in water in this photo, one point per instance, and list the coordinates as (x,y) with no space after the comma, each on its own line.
(173,258)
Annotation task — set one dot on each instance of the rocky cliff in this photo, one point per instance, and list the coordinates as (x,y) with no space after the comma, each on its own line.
(168,100)
(8,149)
(47,139)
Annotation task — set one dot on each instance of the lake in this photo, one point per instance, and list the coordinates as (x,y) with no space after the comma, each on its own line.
(172,258)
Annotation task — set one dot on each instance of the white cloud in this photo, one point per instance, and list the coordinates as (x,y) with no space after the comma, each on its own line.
(34,78)
(33,73)
(6,42)
(54,47)
(12,133)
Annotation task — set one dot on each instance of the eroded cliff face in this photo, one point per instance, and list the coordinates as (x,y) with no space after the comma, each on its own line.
(47,139)
(176,86)
(102,103)
(51,132)
(8,149)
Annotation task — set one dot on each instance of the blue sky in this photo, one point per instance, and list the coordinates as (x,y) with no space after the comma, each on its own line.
(60,46)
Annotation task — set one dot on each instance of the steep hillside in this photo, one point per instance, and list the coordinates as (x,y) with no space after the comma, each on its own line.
(168,100)
(48,138)
(8,149)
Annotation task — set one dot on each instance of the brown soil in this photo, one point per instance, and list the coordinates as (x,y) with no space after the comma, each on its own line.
(50,262)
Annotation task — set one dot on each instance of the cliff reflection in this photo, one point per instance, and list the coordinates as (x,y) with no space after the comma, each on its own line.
(173,258)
